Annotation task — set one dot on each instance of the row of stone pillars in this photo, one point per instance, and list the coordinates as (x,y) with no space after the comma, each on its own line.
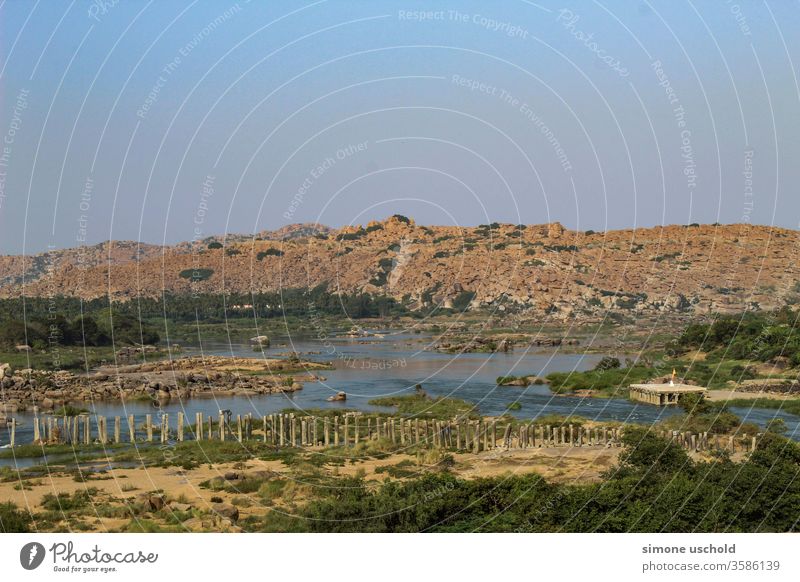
(705,442)
(284,430)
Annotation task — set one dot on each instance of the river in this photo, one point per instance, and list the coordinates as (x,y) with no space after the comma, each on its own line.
(368,368)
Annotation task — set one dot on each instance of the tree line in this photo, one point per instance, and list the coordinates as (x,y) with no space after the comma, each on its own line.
(760,336)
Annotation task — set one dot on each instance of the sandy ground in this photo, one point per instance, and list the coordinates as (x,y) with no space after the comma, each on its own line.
(722,395)
(119,485)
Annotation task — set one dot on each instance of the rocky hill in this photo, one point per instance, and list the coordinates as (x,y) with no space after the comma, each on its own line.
(544,268)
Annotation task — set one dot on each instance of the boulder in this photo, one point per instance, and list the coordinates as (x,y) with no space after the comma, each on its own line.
(226,510)
(153,502)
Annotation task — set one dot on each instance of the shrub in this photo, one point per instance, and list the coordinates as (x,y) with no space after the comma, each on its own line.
(196,274)
(64,502)
(269,253)
(608,363)
(463,299)
(215,245)
(13,520)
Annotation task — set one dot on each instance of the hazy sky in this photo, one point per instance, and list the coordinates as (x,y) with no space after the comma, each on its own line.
(166,120)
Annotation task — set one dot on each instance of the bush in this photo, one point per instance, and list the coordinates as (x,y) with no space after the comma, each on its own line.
(269,253)
(739,372)
(608,363)
(13,520)
(196,274)
(463,299)
(215,245)
(64,502)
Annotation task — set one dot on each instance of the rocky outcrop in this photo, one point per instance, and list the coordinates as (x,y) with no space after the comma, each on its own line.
(546,269)
(163,380)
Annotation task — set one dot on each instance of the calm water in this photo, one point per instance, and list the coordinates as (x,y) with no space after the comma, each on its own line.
(368,368)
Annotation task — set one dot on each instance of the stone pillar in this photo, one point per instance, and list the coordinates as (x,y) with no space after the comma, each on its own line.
(37,437)
(148,427)
(198,426)
(87,430)
(180,427)
(327,431)
(239,427)
(293,428)
(494,434)
(101,427)
(485,437)
(116,430)
(210,431)
(131,429)
(346,435)
(357,436)
(13,436)
(221,426)
(507,437)
(416,430)
(273,423)
(336,431)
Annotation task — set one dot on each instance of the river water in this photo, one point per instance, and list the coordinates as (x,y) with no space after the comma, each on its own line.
(368,368)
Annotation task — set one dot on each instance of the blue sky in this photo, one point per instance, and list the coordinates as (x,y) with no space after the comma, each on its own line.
(164,121)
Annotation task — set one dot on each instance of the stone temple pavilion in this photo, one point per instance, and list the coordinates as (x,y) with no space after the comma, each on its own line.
(663,394)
